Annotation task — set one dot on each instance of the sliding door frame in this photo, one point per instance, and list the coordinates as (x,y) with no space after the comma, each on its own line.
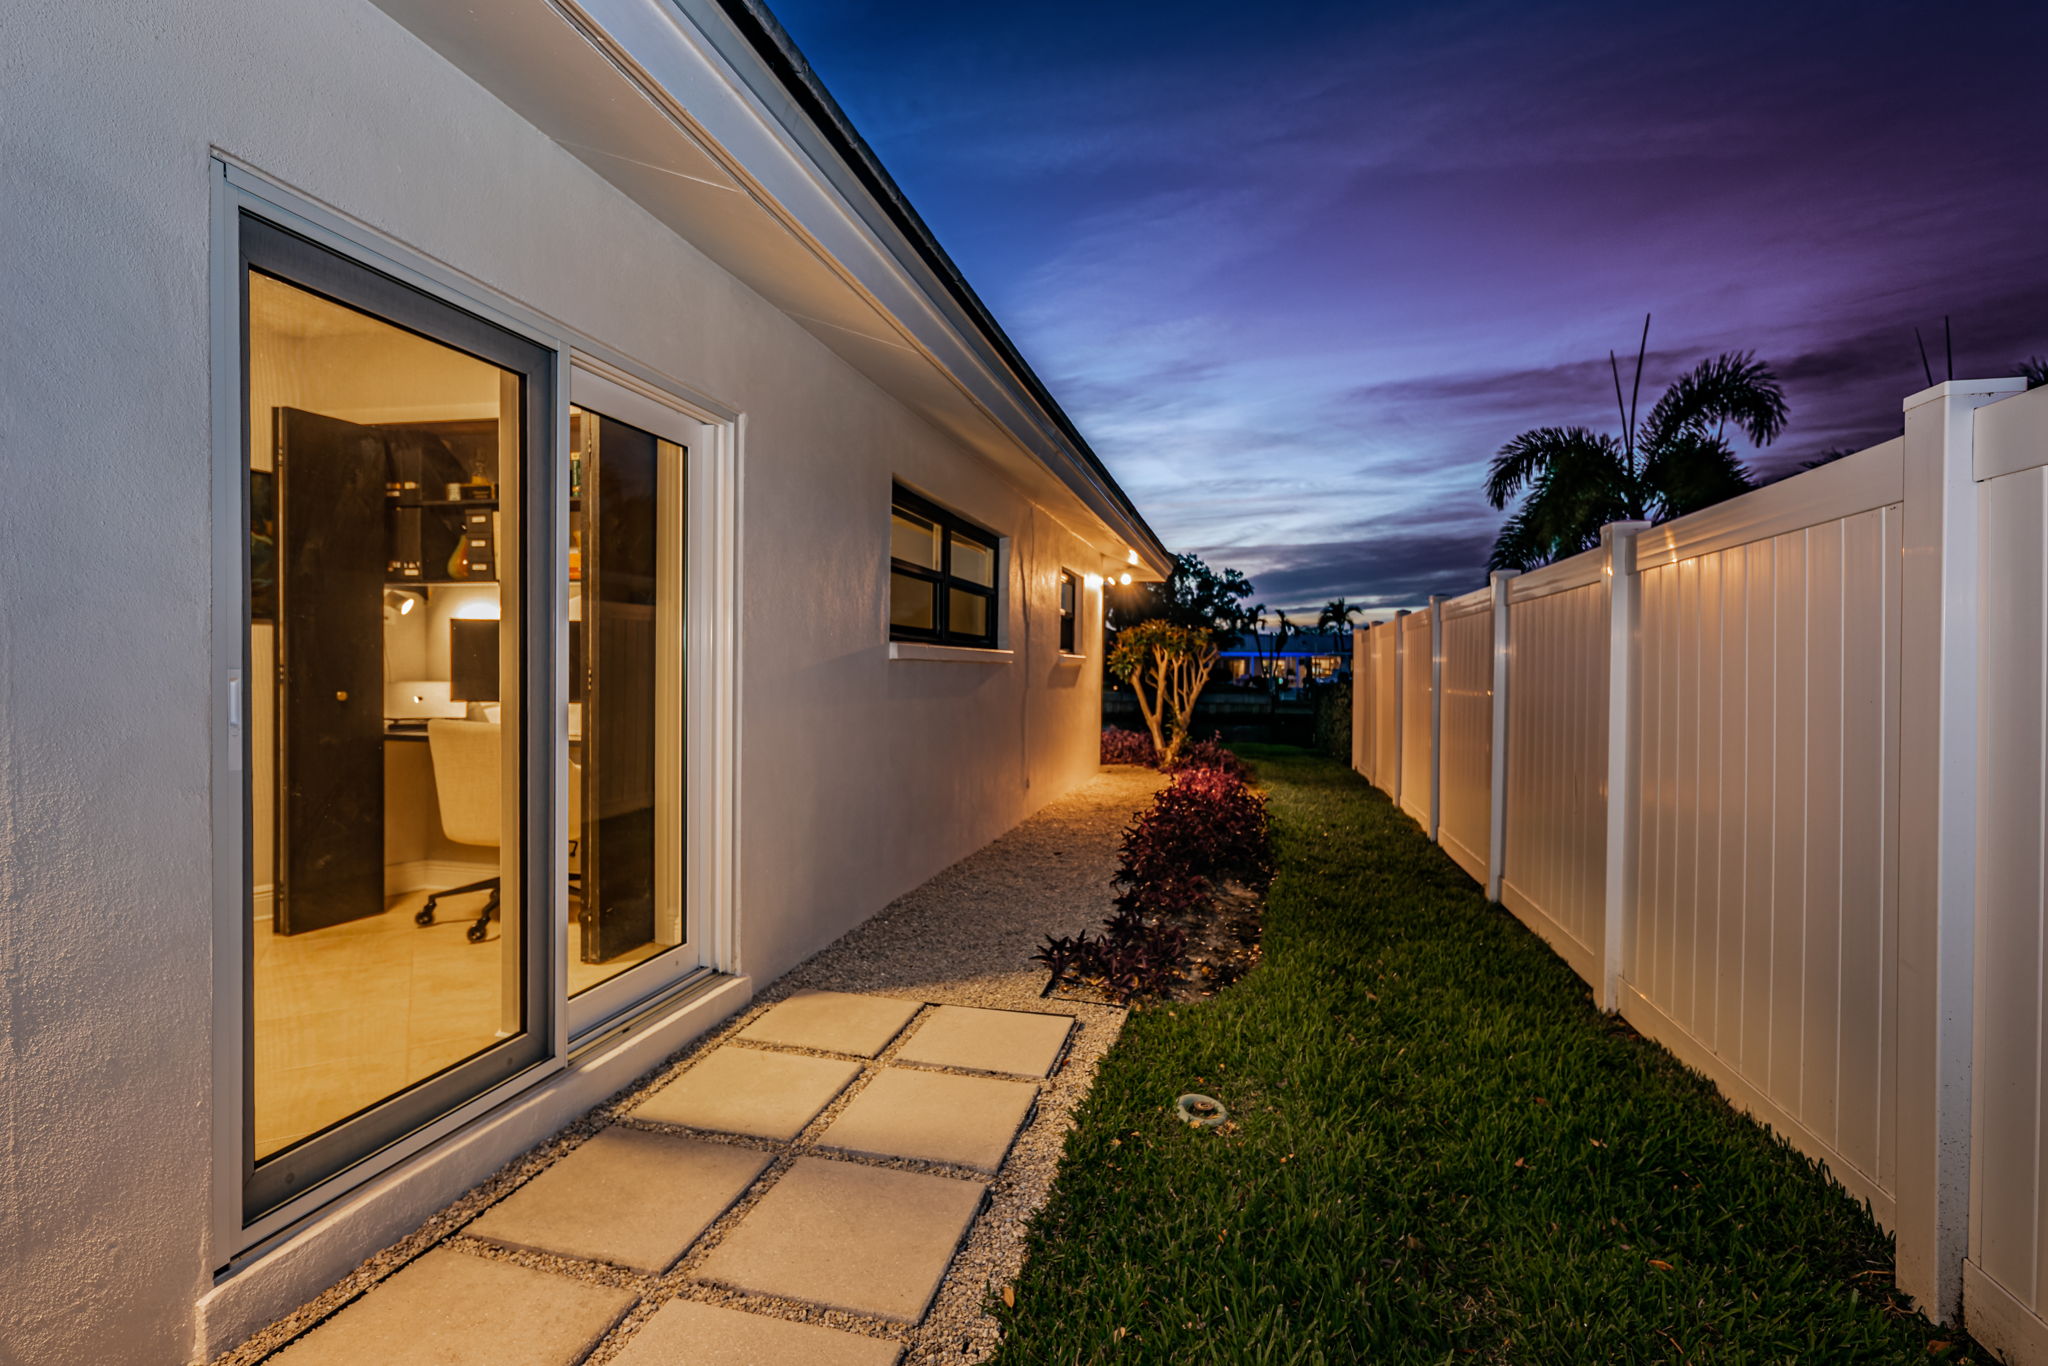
(711,683)
(695,831)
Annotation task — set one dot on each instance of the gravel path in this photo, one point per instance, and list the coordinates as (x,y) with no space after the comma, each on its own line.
(964,938)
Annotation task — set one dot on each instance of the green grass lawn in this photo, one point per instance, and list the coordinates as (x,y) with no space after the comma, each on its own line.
(1441,1153)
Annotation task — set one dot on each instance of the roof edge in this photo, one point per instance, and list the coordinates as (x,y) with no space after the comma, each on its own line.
(777,51)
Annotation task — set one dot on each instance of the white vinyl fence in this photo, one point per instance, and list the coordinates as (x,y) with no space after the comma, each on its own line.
(1773,778)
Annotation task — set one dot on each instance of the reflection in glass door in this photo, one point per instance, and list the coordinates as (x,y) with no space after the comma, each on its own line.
(625,697)
(386,434)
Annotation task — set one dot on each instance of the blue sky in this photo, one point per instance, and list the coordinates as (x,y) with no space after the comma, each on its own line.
(1298,269)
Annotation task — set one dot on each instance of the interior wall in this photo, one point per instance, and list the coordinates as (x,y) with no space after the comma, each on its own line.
(879,771)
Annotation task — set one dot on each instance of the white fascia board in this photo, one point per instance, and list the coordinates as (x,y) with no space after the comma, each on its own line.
(652,95)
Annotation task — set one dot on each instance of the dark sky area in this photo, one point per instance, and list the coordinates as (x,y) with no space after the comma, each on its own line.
(1298,269)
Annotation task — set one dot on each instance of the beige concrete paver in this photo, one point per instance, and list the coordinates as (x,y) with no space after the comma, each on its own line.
(1020,1043)
(869,1240)
(833,1022)
(685,1333)
(750,1091)
(934,1117)
(625,1196)
(452,1309)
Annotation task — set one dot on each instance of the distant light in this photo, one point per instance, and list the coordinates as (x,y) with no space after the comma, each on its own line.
(1124,579)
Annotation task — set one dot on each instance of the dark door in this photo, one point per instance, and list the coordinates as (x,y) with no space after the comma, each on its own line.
(330,650)
(619,691)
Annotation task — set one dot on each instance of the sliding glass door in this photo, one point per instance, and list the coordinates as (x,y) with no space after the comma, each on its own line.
(396,616)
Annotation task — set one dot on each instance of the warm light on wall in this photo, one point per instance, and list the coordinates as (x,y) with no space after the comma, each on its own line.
(1093,582)
(477,609)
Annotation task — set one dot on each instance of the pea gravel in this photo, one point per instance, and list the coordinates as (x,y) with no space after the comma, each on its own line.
(964,938)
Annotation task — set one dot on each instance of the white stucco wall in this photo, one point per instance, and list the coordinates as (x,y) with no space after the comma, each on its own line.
(860,775)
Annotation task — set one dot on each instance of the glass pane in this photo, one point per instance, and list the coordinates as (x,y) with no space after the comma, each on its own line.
(913,603)
(974,562)
(625,697)
(1066,595)
(966,613)
(381,813)
(913,539)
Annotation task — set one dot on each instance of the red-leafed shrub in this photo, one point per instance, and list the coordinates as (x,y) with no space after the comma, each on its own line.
(1208,753)
(1128,747)
(1206,825)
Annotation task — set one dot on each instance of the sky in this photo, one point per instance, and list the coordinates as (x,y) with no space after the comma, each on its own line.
(1297,270)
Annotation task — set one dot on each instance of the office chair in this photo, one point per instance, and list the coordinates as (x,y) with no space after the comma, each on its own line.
(468,780)
(467,758)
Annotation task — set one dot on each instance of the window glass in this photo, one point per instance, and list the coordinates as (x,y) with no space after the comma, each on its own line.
(973,561)
(967,613)
(381,815)
(1067,611)
(913,603)
(913,539)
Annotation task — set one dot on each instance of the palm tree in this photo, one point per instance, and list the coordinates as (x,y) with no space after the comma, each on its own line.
(1679,461)
(1336,619)
(1282,628)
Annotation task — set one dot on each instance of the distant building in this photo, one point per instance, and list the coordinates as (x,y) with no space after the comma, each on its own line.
(1304,657)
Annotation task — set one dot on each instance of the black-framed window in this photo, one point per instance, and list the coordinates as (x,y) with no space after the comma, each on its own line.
(1070,607)
(943,571)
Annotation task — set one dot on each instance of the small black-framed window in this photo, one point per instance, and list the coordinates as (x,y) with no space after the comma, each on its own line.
(943,572)
(1070,608)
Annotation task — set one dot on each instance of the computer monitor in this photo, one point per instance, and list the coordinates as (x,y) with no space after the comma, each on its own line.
(473,659)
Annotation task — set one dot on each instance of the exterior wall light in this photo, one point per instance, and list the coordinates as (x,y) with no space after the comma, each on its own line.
(1124,579)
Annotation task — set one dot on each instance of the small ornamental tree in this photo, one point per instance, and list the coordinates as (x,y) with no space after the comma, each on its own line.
(1166,666)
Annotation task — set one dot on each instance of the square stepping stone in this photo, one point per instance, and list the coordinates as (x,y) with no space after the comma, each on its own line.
(750,1091)
(627,1197)
(864,1239)
(685,1333)
(1018,1042)
(833,1022)
(452,1309)
(934,1117)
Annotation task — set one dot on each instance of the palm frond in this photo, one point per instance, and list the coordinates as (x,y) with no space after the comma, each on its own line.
(1691,471)
(1733,387)
(1524,460)
(1517,546)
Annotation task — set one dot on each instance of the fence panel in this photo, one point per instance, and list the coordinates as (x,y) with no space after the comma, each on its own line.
(2007,1273)
(1465,768)
(1554,878)
(1361,702)
(1418,755)
(1765,908)
(1386,707)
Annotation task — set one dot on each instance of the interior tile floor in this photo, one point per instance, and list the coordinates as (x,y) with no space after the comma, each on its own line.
(349,1015)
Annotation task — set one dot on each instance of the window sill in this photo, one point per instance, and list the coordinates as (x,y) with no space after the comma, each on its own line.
(1069,657)
(959,654)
